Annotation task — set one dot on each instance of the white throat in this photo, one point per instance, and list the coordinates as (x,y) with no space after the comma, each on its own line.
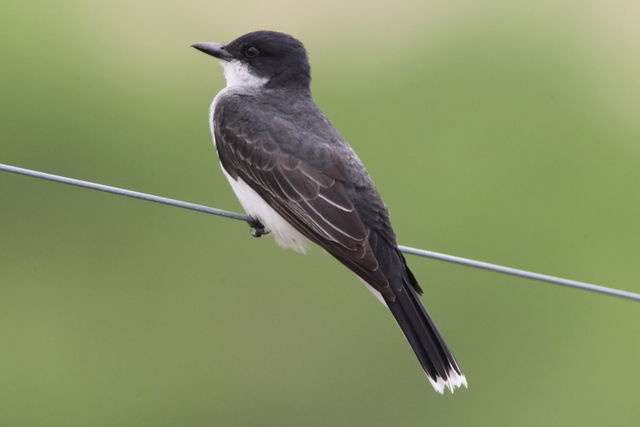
(238,74)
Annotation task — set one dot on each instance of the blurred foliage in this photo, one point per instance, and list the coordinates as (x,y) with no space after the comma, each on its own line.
(502,131)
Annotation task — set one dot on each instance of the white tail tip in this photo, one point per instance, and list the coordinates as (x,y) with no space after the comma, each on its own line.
(454,381)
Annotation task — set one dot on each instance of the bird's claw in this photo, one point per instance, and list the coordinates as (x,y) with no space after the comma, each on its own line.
(257,228)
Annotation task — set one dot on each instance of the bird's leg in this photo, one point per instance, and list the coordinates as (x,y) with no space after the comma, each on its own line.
(257,228)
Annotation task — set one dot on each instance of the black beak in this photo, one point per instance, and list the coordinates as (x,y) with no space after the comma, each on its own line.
(214,49)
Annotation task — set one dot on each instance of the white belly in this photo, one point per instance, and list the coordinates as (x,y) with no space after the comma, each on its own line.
(255,206)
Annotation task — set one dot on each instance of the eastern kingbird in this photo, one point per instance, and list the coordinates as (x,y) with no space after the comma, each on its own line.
(299,179)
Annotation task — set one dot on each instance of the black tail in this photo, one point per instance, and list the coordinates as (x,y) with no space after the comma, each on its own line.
(434,355)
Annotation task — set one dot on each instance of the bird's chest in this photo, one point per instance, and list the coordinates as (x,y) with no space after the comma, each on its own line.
(212,112)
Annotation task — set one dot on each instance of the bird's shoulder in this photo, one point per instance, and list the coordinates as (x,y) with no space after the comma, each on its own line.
(287,128)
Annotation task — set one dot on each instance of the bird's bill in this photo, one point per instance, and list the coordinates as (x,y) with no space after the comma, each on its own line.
(214,49)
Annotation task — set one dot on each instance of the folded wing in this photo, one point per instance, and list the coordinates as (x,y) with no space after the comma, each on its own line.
(307,188)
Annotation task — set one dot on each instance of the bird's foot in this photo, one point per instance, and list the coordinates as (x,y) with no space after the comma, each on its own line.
(257,228)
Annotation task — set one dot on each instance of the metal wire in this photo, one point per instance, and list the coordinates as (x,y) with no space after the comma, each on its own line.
(123,192)
(521,273)
(413,251)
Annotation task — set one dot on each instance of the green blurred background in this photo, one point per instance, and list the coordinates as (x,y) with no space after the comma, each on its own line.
(502,131)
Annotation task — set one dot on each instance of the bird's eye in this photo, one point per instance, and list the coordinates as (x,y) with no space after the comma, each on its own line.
(251,52)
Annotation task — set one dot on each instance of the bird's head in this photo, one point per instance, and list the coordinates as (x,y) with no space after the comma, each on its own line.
(268,58)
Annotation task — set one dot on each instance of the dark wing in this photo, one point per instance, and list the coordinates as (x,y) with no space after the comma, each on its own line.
(302,178)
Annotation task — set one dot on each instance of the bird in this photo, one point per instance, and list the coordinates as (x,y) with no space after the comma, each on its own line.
(299,180)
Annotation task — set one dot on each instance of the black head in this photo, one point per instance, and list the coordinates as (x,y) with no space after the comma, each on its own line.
(275,59)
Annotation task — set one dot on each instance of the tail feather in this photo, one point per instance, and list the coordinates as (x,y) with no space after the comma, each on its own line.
(404,303)
(425,340)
